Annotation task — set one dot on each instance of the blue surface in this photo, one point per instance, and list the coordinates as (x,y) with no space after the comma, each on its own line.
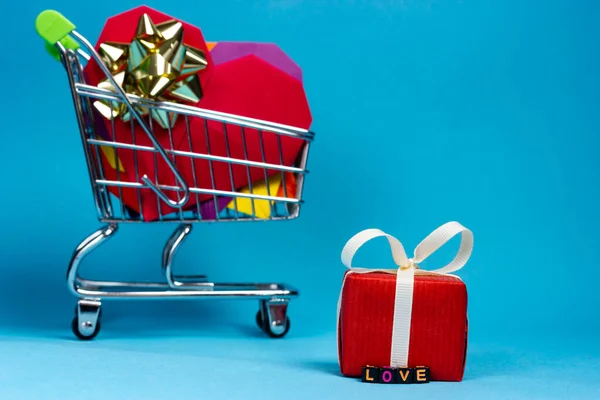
(233,367)
(485,112)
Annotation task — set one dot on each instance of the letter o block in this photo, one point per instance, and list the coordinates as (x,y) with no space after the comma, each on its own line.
(387,375)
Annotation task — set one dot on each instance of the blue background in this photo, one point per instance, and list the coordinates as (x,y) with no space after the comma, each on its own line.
(484,112)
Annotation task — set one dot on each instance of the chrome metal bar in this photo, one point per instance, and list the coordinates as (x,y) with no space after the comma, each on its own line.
(231,179)
(98,290)
(172,147)
(267,184)
(90,289)
(250,185)
(117,169)
(210,162)
(99,285)
(84,248)
(69,59)
(136,167)
(193,165)
(193,219)
(169,251)
(197,155)
(300,180)
(203,191)
(182,109)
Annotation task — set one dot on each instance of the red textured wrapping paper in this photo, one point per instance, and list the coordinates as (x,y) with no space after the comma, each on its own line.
(438,333)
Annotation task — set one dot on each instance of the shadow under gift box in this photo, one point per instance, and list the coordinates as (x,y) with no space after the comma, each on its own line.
(438,332)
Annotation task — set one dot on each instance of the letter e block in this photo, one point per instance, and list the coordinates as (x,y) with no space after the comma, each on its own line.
(421,375)
(370,374)
(387,375)
(405,375)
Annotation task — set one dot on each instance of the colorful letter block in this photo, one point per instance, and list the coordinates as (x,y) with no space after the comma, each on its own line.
(405,375)
(421,375)
(387,375)
(370,374)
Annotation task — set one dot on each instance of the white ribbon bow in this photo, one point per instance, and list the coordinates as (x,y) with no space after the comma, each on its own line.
(407,269)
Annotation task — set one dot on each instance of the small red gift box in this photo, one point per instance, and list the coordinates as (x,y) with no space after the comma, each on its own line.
(406,317)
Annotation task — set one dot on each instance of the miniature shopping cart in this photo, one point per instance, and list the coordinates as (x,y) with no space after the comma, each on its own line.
(71,48)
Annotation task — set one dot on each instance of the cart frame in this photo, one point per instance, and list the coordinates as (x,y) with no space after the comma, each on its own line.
(66,44)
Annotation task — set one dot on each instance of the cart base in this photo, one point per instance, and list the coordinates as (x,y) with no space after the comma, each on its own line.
(271,317)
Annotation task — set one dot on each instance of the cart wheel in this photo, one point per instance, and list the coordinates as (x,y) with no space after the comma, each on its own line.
(84,336)
(259,320)
(266,328)
(88,327)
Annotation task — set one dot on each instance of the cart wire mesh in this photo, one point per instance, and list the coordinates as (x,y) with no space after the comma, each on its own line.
(189,200)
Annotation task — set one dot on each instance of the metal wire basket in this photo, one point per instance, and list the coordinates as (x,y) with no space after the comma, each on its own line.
(181,198)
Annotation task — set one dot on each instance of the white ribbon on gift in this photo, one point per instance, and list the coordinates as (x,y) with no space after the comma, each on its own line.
(407,269)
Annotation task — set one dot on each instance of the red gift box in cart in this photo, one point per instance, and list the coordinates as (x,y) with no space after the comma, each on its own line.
(110,184)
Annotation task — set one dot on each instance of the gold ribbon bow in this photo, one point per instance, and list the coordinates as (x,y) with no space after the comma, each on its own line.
(155,65)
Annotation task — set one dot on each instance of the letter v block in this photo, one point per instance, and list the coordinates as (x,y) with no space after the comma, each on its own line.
(405,375)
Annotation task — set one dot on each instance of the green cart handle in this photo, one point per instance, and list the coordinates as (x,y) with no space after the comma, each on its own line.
(53,27)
